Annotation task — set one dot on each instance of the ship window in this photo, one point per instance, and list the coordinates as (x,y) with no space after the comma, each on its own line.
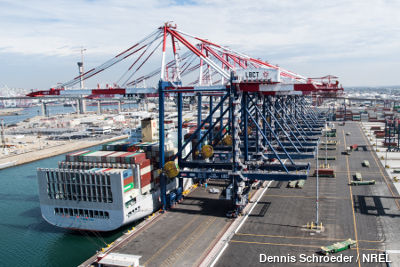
(55,210)
(91,213)
(110,199)
(100,213)
(96,213)
(70,212)
(94,193)
(106,215)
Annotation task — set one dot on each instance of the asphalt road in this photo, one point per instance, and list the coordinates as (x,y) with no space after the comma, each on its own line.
(368,214)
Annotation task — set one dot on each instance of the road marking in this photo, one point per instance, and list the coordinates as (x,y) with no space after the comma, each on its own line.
(188,242)
(240,225)
(313,197)
(219,255)
(274,244)
(380,170)
(305,237)
(255,204)
(171,240)
(362,172)
(352,201)
(294,245)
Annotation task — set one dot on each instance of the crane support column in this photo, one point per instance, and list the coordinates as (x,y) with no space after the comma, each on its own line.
(163,184)
(180,100)
(199,119)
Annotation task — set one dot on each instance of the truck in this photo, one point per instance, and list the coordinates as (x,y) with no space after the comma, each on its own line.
(358,176)
(353,147)
(300,183)
(347,151)
(330,134)
(339,246)
(292,184)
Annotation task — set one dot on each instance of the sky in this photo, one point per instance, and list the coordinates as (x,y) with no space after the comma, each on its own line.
(358,40)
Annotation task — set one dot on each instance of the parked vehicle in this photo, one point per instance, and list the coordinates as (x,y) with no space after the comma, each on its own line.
(337,247)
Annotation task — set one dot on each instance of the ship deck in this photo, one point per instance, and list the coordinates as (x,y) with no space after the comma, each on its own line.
(368,214)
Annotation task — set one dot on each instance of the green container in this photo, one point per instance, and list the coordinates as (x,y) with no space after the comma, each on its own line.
(80,157)
(337,247)
(128,187)
(330,134)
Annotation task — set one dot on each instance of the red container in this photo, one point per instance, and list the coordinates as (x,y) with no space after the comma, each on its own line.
(128,180)
(139,157)
(132,149)
(145,179)
(144,163)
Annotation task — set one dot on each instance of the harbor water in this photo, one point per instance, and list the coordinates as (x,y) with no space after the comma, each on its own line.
(55,109)
(26,238)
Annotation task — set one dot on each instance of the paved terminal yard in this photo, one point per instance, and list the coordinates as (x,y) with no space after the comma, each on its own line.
(368,214)
(183,235)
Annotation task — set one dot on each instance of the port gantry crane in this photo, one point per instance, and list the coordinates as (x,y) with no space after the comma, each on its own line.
(260,119)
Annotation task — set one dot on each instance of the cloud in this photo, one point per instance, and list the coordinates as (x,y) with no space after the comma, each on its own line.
(289,33)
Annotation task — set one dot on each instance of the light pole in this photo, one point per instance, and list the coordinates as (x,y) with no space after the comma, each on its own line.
(386,156)
(317,199)
(326,146)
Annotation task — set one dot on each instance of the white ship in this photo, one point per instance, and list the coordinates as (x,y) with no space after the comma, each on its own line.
(100,191)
